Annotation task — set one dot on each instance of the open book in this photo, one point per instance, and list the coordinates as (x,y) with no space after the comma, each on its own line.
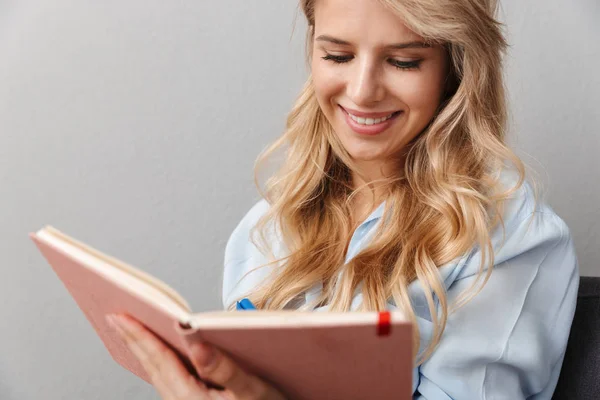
(307,355)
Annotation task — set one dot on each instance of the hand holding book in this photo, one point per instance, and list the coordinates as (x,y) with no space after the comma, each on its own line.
(171,378)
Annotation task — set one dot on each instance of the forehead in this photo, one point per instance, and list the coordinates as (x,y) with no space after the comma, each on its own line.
(360,21)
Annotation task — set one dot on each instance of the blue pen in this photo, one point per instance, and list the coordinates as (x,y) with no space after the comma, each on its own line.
(245,304)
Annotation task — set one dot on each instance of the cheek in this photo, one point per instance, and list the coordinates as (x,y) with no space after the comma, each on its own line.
(327,84)
(421,94)
(422,91)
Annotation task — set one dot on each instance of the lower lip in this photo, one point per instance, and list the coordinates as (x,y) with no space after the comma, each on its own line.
(370,130)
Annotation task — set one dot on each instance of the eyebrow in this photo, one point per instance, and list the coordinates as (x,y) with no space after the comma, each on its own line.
(397,46)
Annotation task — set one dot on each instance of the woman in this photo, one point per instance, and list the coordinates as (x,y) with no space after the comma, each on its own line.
(398,190)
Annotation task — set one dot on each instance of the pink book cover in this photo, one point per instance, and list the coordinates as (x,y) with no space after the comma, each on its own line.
(310,361)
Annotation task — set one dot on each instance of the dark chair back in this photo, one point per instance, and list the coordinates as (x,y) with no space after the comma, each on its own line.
(580,375)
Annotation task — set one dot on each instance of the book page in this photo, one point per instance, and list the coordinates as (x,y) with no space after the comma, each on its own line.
(122,274)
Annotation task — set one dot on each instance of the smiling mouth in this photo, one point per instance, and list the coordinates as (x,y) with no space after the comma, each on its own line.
(366,121)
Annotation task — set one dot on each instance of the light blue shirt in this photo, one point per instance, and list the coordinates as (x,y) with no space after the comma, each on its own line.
(509,341)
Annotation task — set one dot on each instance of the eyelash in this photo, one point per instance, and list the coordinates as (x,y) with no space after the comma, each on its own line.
(402,65)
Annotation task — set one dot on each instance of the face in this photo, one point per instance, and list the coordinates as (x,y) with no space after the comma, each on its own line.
(376,81)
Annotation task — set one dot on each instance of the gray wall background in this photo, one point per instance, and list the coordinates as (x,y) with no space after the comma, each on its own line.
(134,126)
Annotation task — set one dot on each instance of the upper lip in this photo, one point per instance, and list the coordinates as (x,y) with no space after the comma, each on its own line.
(373,115)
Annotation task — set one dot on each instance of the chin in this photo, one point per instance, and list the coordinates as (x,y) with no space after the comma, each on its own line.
(365,155)
(362,152)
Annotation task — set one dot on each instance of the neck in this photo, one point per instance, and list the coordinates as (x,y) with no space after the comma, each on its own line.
(369,179)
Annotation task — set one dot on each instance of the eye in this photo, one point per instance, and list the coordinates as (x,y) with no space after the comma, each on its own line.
(402,65)
(405,65)
(337,59)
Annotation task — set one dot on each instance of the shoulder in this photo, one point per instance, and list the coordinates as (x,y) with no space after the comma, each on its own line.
(239,239)
(242,258)
(529,224)
(527,211)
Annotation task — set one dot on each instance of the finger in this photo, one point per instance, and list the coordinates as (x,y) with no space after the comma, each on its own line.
(142,347)
(216,367)
(216,394)
(168,375)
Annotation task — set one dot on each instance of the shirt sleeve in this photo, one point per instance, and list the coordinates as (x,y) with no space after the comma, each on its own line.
(241,256)
(509,341)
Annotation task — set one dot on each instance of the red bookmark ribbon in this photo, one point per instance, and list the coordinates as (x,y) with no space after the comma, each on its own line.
(384,323)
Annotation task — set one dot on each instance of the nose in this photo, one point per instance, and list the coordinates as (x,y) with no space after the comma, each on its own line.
(365,86)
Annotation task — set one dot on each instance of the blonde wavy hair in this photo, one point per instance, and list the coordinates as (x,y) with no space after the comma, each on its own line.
(441,203)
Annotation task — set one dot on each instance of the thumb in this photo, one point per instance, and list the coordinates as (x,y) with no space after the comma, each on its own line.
(219,369)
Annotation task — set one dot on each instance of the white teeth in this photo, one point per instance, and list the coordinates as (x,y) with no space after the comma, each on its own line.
(369,121)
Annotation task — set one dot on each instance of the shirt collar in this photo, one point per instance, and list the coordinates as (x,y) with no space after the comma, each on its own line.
(376,214)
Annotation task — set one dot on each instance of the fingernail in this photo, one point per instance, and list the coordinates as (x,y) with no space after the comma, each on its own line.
(114,322)
(110,319)
(205,355)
